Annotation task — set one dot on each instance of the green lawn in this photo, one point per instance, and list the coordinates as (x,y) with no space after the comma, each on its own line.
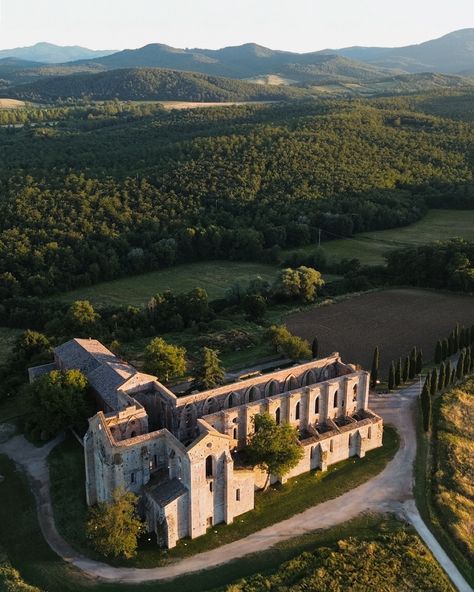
(274,505)
(21,540)
(214,276)
(370,247)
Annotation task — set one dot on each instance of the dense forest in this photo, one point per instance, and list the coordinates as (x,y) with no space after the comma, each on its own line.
(100,196)
(150,84)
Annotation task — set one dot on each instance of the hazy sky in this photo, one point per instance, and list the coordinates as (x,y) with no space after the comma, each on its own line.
(298,25)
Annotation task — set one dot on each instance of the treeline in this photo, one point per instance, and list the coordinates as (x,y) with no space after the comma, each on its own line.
(237,183)
(448,264)
(139,84)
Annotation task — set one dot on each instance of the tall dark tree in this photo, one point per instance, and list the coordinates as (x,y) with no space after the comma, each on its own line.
(208,372)
(442,376)
(434,382)
(406,369)
(438,352)
(398,372)
(374,372)
(449,372)
(460,365)
(315,348)
(412,363)
(419,362)
(425,400)
(391,377)
(445,348)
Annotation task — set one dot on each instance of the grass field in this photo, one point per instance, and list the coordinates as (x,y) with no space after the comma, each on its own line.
(21,540)
(11,104)
(214,276)
(370,247)
(395,320)
(274,505)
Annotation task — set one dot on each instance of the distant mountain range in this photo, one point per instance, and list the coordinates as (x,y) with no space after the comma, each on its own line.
(47,72)
(452,54)
(48,53)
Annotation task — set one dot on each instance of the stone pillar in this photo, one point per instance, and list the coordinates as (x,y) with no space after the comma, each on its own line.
(324,403)
(363,391)
(229,498)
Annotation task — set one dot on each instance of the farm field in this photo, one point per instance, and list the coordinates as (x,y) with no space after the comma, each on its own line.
(214,276)
(370,247)
(11,104)
(394,319)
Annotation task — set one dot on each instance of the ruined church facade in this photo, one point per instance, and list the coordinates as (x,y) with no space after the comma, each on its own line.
(179,454)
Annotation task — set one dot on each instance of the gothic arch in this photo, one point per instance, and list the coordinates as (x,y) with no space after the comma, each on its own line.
(253,394)
(232,400)
(291,383)
(187,422)
(272,388)
(210,406)
(309,378)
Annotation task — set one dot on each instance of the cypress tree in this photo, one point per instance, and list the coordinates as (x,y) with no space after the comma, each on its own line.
(467,361)
(406,369)
(449,371)
(453,376)
(457,338)
(460,366)
(315,348)
(374,373)
(398,372)
(426,405)
(391,377)
(419,362)
(412,363)
(434,382)
(451,344)
(438,352)
(442,376)
(445,346)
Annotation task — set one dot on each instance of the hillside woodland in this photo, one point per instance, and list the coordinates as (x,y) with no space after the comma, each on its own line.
(117,191)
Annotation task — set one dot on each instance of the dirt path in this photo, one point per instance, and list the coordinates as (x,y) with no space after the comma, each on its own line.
(390,490)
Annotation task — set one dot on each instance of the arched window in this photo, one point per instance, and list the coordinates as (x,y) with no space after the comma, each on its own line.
(311,454)
(331,446)
(210,406)
(209,466)
(253,394)
(309,378)
(235,433)
(350,440)
(335,398)
(291,383)
(316,405)
(278,415)
(354,393)
(272,388)
(369,432)
(297,410)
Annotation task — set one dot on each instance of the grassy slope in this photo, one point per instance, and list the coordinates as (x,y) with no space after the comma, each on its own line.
(214,276)
(21,539)
(217,276)
(424,495)
(278,503)
(370,247)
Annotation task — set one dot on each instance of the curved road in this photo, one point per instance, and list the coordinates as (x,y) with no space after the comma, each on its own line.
(389,491)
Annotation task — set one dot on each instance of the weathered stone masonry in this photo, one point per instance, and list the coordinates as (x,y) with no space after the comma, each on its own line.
(177,453)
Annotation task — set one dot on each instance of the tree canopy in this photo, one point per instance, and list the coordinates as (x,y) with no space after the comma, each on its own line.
(273,447)
(164,360)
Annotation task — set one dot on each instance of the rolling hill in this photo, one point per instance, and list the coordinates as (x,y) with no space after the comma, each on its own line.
(150,84)
(49,53)
(452,54)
